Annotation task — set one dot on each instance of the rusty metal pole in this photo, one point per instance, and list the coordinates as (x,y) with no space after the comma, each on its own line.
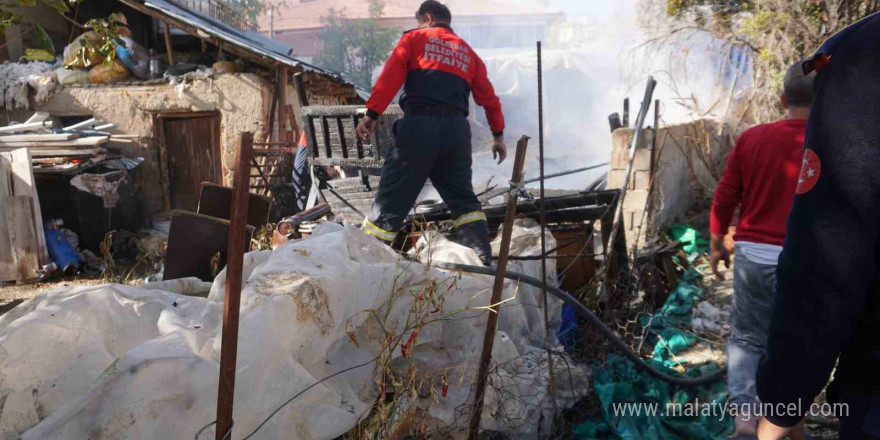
(491,325)
(551,385)
(232,301)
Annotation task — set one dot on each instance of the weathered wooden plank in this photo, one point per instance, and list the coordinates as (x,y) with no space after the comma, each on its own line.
(23,184)
(231,304)
(7,263)
(5,178)
(22,237)
(37,137)
(85,142)
(26,127)
(85,152)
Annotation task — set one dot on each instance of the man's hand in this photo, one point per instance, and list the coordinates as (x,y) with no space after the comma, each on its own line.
(499,150)
(365,128)
(717,253)
(769,431)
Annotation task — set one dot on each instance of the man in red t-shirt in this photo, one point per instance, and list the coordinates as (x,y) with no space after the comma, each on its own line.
(761,177)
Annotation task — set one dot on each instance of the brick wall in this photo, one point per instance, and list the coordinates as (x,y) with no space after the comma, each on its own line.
(686,164)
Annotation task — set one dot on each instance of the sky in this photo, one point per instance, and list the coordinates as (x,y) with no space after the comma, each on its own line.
(594,8)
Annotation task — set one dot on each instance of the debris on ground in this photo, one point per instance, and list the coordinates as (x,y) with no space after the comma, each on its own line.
(711,319)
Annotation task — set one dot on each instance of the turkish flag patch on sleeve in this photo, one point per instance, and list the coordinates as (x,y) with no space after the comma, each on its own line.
(811,169)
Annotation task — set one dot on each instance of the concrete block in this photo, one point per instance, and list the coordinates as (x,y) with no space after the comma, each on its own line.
(635,219)
(635,200)
(642,161)
(640,180)
(619,158)
(615,179)
(621,138)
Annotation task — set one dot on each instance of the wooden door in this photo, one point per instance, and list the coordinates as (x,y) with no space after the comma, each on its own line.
(192,152)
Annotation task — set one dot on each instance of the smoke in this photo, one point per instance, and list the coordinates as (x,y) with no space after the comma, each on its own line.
(599,53)
(591,63)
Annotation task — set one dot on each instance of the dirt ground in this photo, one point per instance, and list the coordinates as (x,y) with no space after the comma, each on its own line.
(721,293)
(12,295)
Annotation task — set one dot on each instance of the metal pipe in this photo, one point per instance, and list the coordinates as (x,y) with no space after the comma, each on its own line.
(502,191)
(543,222)
(618,212)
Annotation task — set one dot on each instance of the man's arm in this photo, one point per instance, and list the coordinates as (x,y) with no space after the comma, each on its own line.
(484,96)
(391,79)
(828,264)
(728,194)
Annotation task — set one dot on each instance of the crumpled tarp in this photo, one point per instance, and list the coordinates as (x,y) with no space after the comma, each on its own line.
(126,362)
(693,242)
(667,328)
(620,381)
(104,185)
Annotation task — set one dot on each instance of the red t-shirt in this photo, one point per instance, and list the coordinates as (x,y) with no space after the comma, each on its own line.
(760,176)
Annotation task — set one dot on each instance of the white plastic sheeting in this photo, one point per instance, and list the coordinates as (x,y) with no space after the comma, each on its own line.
(123,362)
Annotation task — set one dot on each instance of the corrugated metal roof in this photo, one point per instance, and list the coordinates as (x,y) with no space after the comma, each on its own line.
(250,40)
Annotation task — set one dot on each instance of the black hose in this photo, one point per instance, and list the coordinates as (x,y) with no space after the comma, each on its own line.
(592,318)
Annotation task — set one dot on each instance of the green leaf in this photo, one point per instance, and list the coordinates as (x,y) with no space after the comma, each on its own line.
(8,19)
(42,40)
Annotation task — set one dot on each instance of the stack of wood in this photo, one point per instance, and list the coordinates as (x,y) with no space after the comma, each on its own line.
(67,149)
(22,241)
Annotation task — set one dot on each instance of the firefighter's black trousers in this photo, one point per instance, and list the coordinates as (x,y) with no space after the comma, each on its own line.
(439,147)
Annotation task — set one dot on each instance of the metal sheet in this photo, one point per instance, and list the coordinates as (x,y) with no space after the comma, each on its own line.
(251,41)
(193,242)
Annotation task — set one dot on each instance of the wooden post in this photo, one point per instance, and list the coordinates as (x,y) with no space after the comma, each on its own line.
(489,339)
(168,48)
(282,104)
(232,301)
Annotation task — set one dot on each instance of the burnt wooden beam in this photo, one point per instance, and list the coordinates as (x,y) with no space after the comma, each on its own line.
(168,46)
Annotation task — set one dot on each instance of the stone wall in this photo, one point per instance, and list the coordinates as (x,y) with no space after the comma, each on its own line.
(678,175)
(242,100)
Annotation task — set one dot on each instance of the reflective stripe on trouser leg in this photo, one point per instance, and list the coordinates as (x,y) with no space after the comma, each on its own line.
(371,229)
(475,216)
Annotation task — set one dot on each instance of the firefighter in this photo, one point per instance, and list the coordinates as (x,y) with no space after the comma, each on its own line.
(438,71)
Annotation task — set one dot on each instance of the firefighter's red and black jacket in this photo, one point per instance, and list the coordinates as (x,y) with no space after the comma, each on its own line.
(436,69)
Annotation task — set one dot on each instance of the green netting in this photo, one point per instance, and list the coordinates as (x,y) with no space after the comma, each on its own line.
(619,382)
(656,417)
(693,243)
(664,327)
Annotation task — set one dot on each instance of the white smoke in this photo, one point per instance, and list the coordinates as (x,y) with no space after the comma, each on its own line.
(600,53)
